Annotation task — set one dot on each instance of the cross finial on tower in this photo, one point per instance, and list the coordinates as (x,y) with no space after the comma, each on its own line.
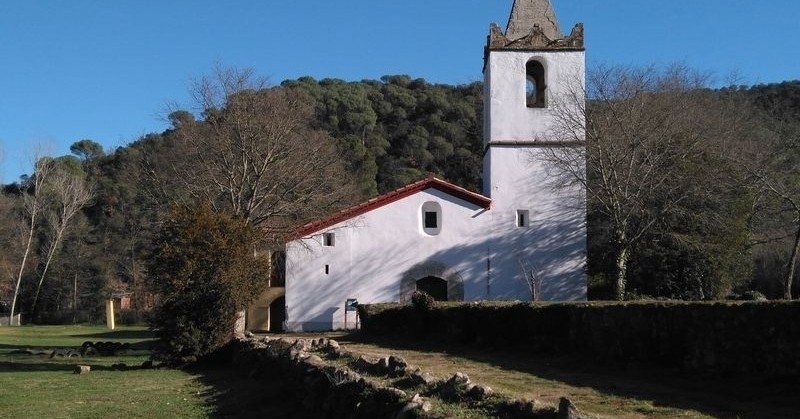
(526,14)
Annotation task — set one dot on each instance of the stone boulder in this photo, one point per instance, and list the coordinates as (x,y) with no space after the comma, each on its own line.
(82,369)
(453,388)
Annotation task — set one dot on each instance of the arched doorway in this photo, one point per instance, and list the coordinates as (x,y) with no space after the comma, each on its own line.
(454,285)
(277,314)
(434,286)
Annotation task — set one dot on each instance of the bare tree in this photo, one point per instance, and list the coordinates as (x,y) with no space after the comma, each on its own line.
(772,160)
(532,277)
(33,204)
(255,154)
(67,193)
(650,138)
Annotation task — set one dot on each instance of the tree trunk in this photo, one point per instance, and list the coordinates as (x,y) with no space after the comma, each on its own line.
(787,281)
(622,272)
(75,298)
(22,264)
(50,253)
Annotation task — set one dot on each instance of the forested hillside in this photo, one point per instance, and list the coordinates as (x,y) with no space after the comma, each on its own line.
(384,134)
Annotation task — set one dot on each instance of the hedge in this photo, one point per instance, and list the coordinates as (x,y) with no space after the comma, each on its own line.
(758,338)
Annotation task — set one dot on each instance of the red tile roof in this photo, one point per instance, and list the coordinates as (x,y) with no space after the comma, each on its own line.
(393,196)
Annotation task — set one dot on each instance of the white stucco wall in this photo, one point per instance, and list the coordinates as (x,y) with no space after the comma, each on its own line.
(375,251)
(554,241)
(517,176)
(509,119)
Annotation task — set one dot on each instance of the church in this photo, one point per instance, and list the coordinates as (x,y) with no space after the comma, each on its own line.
(522,238)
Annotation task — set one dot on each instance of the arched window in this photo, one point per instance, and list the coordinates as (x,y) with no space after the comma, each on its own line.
(535,84)
(431,218)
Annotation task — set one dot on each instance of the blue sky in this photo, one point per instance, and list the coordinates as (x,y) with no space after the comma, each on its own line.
(107,70)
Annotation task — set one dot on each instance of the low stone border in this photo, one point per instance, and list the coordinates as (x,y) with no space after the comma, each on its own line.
(343,391)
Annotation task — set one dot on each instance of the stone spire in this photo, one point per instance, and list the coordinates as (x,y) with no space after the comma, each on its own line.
(527,13)
(533,26)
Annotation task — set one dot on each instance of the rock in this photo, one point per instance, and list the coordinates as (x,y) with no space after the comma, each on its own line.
(294,354)
(392,393)
(314,361)
(366,364)
(82,369)
(453,388)
(397,366)
(418,377)
(301,345)
(478,391)
(416,403)
(526,409)
(382,367)
(459,378)
(424,404)
(567,410)
(332,349)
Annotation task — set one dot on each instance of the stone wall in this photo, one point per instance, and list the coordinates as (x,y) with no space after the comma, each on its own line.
(756,338)
(331,382)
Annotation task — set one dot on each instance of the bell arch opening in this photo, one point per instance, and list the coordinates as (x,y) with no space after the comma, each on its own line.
(535,84)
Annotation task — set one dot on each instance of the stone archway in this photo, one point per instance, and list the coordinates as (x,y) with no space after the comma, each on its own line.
(267,312)
(455,284)
(434,286)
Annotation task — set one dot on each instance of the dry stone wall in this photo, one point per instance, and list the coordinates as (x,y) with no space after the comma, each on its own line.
(332,382)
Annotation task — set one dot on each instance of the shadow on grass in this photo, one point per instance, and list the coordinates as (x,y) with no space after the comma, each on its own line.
(138,346)
(117,334)
(235,393)
(722,397)
(41,365)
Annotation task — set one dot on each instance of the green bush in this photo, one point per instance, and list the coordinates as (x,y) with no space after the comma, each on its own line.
(758,338)
(130,317)
(421,300)
(204,269)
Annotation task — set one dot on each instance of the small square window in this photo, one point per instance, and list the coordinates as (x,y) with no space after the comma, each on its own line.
(328,239)
(431,219)
(523,218)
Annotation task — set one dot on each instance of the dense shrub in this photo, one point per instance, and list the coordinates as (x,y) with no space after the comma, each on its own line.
(422,300)
(759,338)
(204,269)
(131,317)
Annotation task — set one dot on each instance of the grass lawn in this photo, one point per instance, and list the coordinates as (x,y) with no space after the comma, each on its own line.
(37,386)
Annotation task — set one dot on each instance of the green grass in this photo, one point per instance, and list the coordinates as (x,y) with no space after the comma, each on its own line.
(44,387)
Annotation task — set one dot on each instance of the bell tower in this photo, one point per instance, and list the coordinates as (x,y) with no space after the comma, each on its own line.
(534,83)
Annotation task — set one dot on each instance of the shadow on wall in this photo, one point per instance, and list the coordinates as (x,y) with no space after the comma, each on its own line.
(556,252)
(321,321)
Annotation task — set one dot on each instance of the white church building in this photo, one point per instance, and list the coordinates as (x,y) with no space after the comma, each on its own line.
(522,238)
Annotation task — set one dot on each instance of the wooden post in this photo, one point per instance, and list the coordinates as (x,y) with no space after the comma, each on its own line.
(75,298)
(110,314)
